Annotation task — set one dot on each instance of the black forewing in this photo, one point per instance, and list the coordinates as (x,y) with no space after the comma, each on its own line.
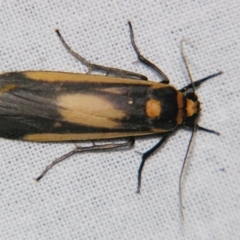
(31,107)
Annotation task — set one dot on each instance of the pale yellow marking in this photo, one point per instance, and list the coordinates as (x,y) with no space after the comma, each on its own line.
(130,101)
(158,130)
(161,85)
(57,124)
(89,110)
(180,104)
(192,107)
(7,88)
(180,116)
(118,91)
(153,108)
(49,76)
(55,137)
(180,98)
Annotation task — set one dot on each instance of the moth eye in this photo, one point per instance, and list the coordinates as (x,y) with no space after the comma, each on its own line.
(192,96)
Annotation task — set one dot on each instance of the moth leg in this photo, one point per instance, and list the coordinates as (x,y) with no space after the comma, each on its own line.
(191,125)
(95,67)
(146,155)
(207,130)
(144,60)
(86,149)
(199,82)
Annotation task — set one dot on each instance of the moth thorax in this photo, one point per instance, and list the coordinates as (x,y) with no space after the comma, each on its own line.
(192,107)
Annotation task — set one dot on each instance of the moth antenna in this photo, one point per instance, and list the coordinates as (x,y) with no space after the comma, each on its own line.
(186,63)
(182,170)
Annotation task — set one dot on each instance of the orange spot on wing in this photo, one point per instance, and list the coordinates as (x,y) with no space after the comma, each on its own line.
(153,108)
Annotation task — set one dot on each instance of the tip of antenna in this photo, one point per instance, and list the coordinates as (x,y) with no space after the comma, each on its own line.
(130,24)
(38,178)
(187,41)
(58,33)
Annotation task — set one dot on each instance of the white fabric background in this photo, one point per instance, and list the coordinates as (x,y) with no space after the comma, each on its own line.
(92,196)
